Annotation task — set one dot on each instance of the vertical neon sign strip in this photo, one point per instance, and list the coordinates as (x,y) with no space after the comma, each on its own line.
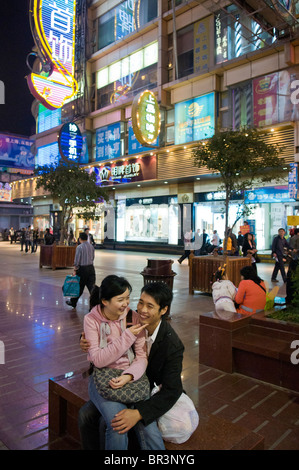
(55,28)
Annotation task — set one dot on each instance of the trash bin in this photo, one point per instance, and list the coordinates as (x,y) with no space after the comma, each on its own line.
(159,270)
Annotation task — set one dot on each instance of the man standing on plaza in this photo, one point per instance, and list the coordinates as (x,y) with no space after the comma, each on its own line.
(279,245)
(83,267)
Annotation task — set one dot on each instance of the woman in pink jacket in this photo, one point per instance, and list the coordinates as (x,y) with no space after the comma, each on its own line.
(111,346)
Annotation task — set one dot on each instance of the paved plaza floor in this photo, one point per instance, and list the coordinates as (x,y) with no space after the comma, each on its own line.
(41,339)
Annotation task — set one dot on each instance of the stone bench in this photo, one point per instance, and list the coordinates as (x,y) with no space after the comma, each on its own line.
(68,393)
(255,346)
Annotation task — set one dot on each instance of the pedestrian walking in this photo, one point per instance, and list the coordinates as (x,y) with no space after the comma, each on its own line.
(83,267)
(279,246)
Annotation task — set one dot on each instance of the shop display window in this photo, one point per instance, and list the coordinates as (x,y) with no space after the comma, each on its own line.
(147,222)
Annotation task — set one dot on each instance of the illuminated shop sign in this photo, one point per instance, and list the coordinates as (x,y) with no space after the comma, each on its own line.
(15,152)
(70,142)
(136,169)
(54,22)
(201,45)
(146,117)
(108,142)
(195,119)
(271,194)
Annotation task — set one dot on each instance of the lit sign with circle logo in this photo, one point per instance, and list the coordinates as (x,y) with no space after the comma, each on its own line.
(146,117)
(70,142)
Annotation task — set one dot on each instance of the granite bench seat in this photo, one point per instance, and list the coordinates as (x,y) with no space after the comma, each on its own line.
(67,393)
(256,346)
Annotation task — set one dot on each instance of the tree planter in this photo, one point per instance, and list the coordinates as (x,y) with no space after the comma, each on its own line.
(202,268)
(57,256)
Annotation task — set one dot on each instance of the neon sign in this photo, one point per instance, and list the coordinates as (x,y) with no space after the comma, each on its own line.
(146,117)
(54,22)
(70,142)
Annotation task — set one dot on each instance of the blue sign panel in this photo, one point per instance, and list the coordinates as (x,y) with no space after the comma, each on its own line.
(15,152)
(195,119)
(108,142)
(70,142)
(48,155)
(273,194)
(134,145)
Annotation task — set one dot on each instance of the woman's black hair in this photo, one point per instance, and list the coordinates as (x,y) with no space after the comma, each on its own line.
(249,274)
(111,286)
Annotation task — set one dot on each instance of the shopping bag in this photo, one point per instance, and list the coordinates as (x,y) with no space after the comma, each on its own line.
(71,286)
(179,423)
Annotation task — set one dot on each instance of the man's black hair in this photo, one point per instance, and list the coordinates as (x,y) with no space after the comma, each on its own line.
(160,292)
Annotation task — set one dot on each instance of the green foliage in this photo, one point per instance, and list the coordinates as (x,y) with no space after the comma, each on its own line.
(295,285)
(73,187)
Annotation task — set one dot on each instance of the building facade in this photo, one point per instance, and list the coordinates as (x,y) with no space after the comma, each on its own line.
(210,65)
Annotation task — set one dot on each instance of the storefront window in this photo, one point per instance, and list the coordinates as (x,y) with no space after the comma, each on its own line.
(236,34)
(147,220)
(124,19)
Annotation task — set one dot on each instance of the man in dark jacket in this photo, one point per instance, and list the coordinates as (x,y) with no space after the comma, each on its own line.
(164,368)
(279,246)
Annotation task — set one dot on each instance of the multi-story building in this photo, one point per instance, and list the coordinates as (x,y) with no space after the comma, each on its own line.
(210,64)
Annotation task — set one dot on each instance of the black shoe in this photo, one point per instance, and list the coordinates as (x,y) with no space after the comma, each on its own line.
(274,280)
(69,302)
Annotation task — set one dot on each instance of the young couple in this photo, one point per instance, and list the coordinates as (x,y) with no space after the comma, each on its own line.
(110,306)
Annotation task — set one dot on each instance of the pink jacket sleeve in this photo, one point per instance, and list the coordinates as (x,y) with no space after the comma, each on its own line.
(139,364)
(103,357)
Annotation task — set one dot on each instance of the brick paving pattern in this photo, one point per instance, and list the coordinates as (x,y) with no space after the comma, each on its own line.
(41,338)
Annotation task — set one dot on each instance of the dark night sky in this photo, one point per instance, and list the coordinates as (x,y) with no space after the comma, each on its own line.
(16,43)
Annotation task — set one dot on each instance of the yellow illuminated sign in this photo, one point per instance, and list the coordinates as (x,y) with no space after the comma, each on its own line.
(146,117)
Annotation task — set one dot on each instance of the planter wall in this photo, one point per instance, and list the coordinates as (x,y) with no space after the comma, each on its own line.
(202,268)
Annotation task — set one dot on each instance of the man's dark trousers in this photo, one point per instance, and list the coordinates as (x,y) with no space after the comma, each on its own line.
(87,278)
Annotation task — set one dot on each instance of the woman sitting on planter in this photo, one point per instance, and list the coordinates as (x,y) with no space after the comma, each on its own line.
(251,295)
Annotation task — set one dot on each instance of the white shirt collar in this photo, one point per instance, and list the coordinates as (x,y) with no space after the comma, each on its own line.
(151,338)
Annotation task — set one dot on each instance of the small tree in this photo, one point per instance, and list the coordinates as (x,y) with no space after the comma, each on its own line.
(73,187)
(241,158)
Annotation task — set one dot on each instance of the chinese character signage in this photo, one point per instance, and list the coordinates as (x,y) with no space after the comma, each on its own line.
(293,180)
(108,142)
(221,37)
(15,152)
(136,169)
(271,194)
(54,34)
(195,119)
(70,142)
(146,118)
(124,19)
(201,45)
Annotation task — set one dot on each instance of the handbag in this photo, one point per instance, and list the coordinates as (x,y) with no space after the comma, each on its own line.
(71,286)
(132,392)
(179,423)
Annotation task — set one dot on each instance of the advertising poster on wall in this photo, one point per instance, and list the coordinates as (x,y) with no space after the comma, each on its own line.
(265,100)
(15,152)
